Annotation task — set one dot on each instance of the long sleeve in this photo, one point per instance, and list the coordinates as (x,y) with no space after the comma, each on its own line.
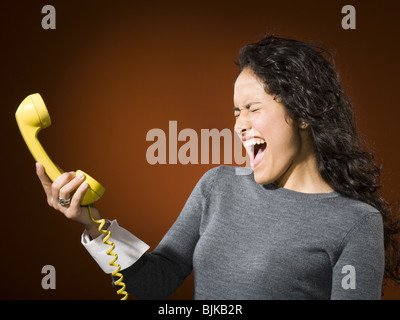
(127,246)
(156,275)
(358,272)
(249,241)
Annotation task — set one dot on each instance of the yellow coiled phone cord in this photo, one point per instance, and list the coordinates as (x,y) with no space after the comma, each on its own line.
(110,252)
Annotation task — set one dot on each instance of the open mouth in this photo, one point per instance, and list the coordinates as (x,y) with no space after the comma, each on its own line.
(256,149)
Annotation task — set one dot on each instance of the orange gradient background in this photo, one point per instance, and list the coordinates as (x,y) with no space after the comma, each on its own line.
(112,71)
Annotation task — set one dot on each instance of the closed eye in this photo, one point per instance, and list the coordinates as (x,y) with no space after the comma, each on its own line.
(236,112)
(251,107)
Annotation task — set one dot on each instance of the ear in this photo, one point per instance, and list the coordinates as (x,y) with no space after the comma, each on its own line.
(303,124)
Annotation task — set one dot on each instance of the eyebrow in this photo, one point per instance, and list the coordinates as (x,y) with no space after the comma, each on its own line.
(247,106)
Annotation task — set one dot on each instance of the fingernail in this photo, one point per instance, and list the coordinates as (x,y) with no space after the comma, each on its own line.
(80,176)
(37,166)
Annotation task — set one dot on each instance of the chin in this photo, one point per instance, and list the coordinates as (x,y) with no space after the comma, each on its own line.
(262,178)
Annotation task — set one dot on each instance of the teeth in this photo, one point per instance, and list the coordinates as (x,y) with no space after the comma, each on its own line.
(253,142)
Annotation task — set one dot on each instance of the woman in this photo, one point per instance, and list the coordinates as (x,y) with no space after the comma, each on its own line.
(308,223)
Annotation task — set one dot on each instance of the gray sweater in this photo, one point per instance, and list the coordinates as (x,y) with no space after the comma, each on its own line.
(244,240)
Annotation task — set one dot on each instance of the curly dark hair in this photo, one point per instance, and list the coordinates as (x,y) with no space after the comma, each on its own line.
(307,84)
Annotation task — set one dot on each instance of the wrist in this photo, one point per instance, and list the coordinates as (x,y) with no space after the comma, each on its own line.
(93,228)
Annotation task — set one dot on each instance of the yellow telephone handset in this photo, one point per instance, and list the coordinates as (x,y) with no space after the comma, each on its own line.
(32,116)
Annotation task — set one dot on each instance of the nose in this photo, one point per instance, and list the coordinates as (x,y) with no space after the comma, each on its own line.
(242,125)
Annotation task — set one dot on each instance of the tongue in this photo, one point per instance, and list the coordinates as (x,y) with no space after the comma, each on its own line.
(259,156)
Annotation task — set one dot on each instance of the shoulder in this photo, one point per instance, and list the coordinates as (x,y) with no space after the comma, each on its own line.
(228,176)
(230,170)
(228,181)
(350,215)
(359,221)
(355,211)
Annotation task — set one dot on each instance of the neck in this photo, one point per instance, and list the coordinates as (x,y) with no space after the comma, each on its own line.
(303,176)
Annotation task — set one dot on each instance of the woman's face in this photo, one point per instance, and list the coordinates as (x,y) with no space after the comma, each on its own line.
(270,136)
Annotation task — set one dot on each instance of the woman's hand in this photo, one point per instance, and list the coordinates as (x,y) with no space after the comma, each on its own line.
(62,188)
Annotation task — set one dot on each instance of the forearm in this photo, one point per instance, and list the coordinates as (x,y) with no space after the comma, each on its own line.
(93,223)
(147,276)
(128,247)
(154,277)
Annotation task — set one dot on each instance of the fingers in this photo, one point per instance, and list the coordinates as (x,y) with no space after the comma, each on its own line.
(67,185)
(62,187)
(44,179)
(56,186)
(67,189)
(80,192)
